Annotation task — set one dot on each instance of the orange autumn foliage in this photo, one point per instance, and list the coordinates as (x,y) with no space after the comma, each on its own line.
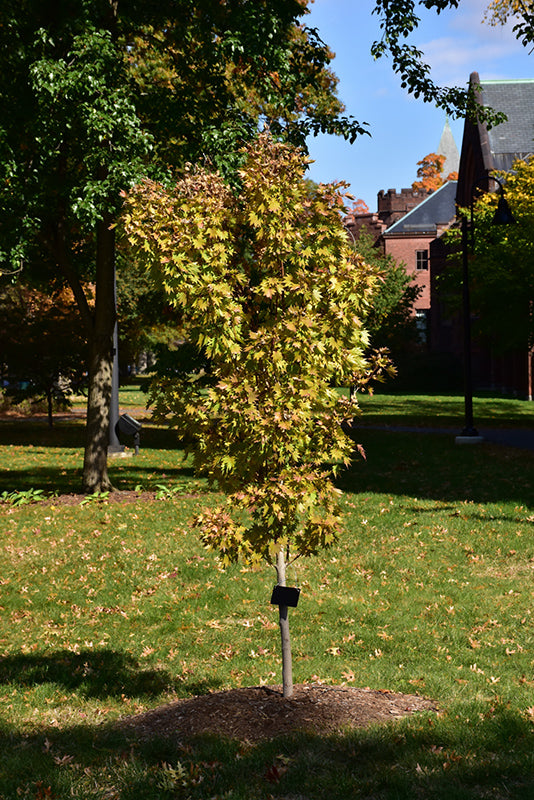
(430,175)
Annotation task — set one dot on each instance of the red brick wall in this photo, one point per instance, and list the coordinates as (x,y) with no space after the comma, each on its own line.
(403,249)
(370,223)
(393,205)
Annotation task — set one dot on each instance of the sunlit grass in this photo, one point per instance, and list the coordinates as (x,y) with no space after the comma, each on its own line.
(132,395)
(444,410)
(110,609)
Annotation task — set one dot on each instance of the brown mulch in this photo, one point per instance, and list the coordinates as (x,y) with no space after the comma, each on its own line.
(261,712)
(112,497)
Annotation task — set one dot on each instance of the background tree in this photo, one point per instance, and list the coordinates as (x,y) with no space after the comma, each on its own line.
(359,207)
(430,173)
(98,94)
(499,12)
(147,323)
(502,268)
(271,290)
(35,362)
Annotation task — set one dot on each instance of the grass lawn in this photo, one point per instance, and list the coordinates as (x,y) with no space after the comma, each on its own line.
(445,411)
(110,609)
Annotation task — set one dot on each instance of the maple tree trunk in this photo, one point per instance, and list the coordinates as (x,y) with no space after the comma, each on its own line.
(287,665)
(95,465)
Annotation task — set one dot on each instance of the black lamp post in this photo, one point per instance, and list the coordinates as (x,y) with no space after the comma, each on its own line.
(502,216)
(114,445)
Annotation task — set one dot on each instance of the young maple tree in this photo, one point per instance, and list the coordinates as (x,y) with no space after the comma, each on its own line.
(273,293)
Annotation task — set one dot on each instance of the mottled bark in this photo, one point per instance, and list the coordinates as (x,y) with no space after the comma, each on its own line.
(95,471)
(99,322)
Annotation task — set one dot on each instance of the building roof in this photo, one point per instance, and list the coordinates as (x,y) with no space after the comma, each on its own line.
(437,209)
(514,138)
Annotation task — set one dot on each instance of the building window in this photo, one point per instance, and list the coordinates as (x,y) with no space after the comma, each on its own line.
(421,322)
(421,259)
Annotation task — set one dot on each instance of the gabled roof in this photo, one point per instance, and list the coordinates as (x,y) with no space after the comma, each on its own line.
(514,138)
(439,208)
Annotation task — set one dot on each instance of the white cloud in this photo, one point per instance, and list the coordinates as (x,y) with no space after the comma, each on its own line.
(457,43)
(452,59)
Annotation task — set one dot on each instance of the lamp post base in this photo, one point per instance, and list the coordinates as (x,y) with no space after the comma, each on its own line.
(469,438)
(118,452)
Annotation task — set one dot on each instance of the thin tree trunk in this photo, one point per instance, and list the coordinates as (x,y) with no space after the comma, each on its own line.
(287,666)
(95,470)
(49,406)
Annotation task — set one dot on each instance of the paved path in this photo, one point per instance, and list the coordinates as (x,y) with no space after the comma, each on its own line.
(512,437)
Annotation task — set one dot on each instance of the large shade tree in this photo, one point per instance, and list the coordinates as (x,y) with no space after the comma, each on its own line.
(97,93)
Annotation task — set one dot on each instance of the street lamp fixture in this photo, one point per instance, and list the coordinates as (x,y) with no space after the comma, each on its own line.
(502,216)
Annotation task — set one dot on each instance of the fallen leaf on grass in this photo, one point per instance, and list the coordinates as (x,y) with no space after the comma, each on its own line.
(61,761)
(333,650)
(277,770)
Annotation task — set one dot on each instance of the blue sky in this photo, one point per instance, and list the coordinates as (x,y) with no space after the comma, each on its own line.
(403,130)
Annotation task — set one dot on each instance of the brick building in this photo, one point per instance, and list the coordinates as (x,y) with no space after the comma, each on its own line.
(409,240)
(391,206)
(482,151)
(408,221)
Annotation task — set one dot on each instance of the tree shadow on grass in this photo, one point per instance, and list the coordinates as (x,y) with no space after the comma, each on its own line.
(51,480)
(414,758)
(36,432)
(30,431)
(126,476)
(432,466)
(91,673)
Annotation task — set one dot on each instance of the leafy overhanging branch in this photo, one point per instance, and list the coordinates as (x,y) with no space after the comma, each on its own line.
(398,20)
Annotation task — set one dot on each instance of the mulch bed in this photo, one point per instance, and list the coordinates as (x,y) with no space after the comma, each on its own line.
(261,712)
